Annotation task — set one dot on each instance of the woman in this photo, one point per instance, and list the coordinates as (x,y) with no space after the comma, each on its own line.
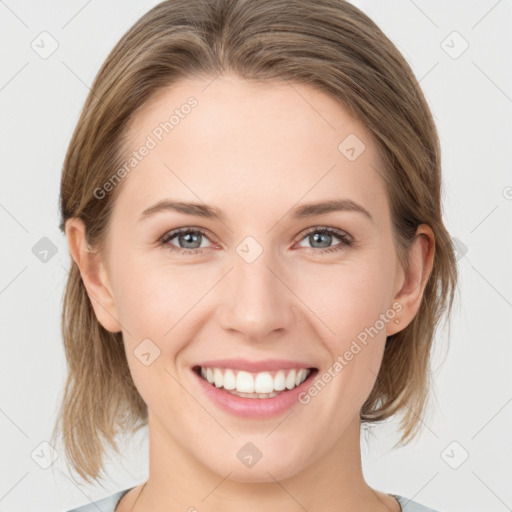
(252,200)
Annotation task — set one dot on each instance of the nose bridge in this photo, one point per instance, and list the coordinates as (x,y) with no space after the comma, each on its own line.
(257,302)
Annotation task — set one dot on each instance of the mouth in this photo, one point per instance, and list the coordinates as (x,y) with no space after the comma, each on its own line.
(260,385)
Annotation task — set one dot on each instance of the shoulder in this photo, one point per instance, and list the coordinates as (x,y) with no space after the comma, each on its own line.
(107,504)
(412,506)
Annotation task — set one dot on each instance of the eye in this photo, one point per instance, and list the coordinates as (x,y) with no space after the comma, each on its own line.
(189,238)
(322,237)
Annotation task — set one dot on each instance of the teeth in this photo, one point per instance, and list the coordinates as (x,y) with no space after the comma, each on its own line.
(217,377)
(229,380)
(262,385)
(254,395)
(245,383)
(279,381)
(301,376)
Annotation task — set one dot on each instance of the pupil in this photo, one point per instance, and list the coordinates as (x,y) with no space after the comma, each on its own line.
(317,237)
(188,238)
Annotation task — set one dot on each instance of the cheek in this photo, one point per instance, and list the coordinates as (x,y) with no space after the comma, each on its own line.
(350,303)
(153,303)
(346,298)
(151,296)
(160,302)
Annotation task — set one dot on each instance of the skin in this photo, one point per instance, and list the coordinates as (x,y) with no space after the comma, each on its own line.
(255,150)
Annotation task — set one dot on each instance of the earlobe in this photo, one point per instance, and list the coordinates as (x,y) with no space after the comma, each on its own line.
(94,275)
(415,278)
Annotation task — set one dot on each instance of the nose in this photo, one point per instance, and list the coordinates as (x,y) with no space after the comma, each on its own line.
(258,305)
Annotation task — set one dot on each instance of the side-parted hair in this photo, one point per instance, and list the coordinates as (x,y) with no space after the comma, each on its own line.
(337,49)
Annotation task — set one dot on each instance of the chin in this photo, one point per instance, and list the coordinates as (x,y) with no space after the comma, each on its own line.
(266,466)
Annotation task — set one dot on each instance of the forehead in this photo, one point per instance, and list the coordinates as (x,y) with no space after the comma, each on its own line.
(246,145)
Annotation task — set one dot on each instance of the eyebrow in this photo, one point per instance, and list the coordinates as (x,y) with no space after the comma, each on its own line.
(301,212)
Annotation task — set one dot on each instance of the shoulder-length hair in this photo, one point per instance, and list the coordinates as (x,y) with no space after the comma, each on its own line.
(329,44)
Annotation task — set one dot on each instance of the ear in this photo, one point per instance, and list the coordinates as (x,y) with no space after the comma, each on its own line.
(94,275)
(411,282)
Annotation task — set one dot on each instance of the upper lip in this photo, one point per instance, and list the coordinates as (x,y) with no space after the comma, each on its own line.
(255,366)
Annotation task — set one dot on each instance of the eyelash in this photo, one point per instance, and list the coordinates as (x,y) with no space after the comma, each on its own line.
(346,240)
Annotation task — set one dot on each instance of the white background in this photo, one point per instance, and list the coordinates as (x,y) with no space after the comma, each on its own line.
(471,99)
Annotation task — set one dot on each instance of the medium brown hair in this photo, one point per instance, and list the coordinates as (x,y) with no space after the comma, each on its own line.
(328,44)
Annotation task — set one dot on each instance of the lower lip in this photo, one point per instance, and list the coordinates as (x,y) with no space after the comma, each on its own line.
(254,407)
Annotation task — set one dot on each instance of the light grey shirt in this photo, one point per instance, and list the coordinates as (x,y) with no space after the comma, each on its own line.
(109,504)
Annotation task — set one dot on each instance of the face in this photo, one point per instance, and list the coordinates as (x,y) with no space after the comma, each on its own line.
(258,282)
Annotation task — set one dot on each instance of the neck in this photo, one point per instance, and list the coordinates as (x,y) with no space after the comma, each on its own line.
(332,481)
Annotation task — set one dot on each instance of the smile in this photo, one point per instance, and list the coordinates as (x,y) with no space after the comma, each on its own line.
(267,384)
(252,394)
